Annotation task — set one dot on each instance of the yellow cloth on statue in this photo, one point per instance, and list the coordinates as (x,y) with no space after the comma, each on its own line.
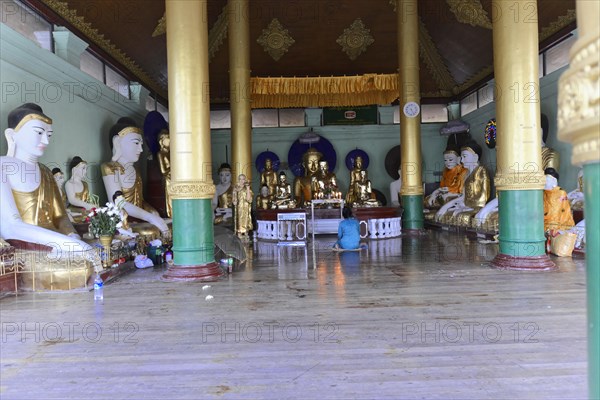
(557,210)
(134,194)
(477,193)
(44,206)
(225,200)
(454,178)
(84,195)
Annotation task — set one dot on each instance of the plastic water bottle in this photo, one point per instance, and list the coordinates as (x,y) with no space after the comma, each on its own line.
(98,288)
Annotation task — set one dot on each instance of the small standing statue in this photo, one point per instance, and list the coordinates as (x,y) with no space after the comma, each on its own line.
(269,177)
(242,201)
(164,161)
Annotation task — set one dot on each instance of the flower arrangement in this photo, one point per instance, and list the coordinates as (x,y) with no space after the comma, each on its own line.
(105,220)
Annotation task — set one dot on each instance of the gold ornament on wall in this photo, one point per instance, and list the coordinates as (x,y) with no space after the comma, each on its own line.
(275,40)
(355,39)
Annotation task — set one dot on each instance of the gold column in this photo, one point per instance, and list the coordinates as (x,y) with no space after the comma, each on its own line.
(239,82)
(516,70)
(189,102)
(189,116)
(410,127)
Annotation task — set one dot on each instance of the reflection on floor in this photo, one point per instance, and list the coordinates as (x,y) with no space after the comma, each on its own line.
(406,318)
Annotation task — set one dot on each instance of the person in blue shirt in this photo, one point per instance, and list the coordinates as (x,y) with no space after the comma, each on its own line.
(348,232)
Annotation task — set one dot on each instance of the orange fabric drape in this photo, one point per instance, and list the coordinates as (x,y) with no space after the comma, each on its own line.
(334,91)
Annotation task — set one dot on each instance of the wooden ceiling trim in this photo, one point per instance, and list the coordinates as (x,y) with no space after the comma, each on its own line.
(432,59)
(470,12)
(85,28)
(555,26)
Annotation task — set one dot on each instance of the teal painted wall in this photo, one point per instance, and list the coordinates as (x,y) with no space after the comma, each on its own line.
(377,140)
(82,108)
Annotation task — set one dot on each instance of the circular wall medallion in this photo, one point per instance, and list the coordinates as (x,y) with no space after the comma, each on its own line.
(411,109)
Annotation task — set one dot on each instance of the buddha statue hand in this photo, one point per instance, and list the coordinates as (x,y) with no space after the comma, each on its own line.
(157,221)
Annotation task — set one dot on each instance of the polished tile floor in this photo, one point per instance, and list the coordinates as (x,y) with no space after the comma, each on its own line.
(409,318)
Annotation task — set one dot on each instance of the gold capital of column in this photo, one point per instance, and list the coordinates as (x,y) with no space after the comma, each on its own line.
(192,189)
(579,89)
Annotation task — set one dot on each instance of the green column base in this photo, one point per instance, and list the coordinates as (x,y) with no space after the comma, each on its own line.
(193,232)
(522,240)
(591,185)
(412,216)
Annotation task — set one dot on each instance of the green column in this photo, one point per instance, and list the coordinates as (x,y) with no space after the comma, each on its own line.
(519,239)
(412,216)
(193,233)
(591,188)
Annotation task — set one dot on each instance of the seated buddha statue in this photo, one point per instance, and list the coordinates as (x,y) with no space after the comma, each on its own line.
(452,181)
(77,190)
(576,197)
(557,210)
(488,216)
(476,190)
(269,177)
(164,162)
(223,199)
(395,187)
(32,210)
(283,193)
(263,200)
(121,174)
(363,193)
(59,178)
(324,183)
(303,184)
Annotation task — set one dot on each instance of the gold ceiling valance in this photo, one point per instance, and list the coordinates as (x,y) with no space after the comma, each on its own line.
(334,91)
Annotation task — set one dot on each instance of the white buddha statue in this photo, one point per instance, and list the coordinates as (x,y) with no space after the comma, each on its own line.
(121,174)
(222,202)
(395,187)
(475,193)
(77,190)
(31,207)
(576,197)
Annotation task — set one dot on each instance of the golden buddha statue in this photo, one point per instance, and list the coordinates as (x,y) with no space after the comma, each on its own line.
(557,210)
(283,193)
(303,184)
(223,198)
(32,210)
(452,181)
(476,190)
(363,195)
(242,202)
(269,177)
(550,157)
(77,190)
(263,200)
(164,162)
(324,183)
(121,174)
